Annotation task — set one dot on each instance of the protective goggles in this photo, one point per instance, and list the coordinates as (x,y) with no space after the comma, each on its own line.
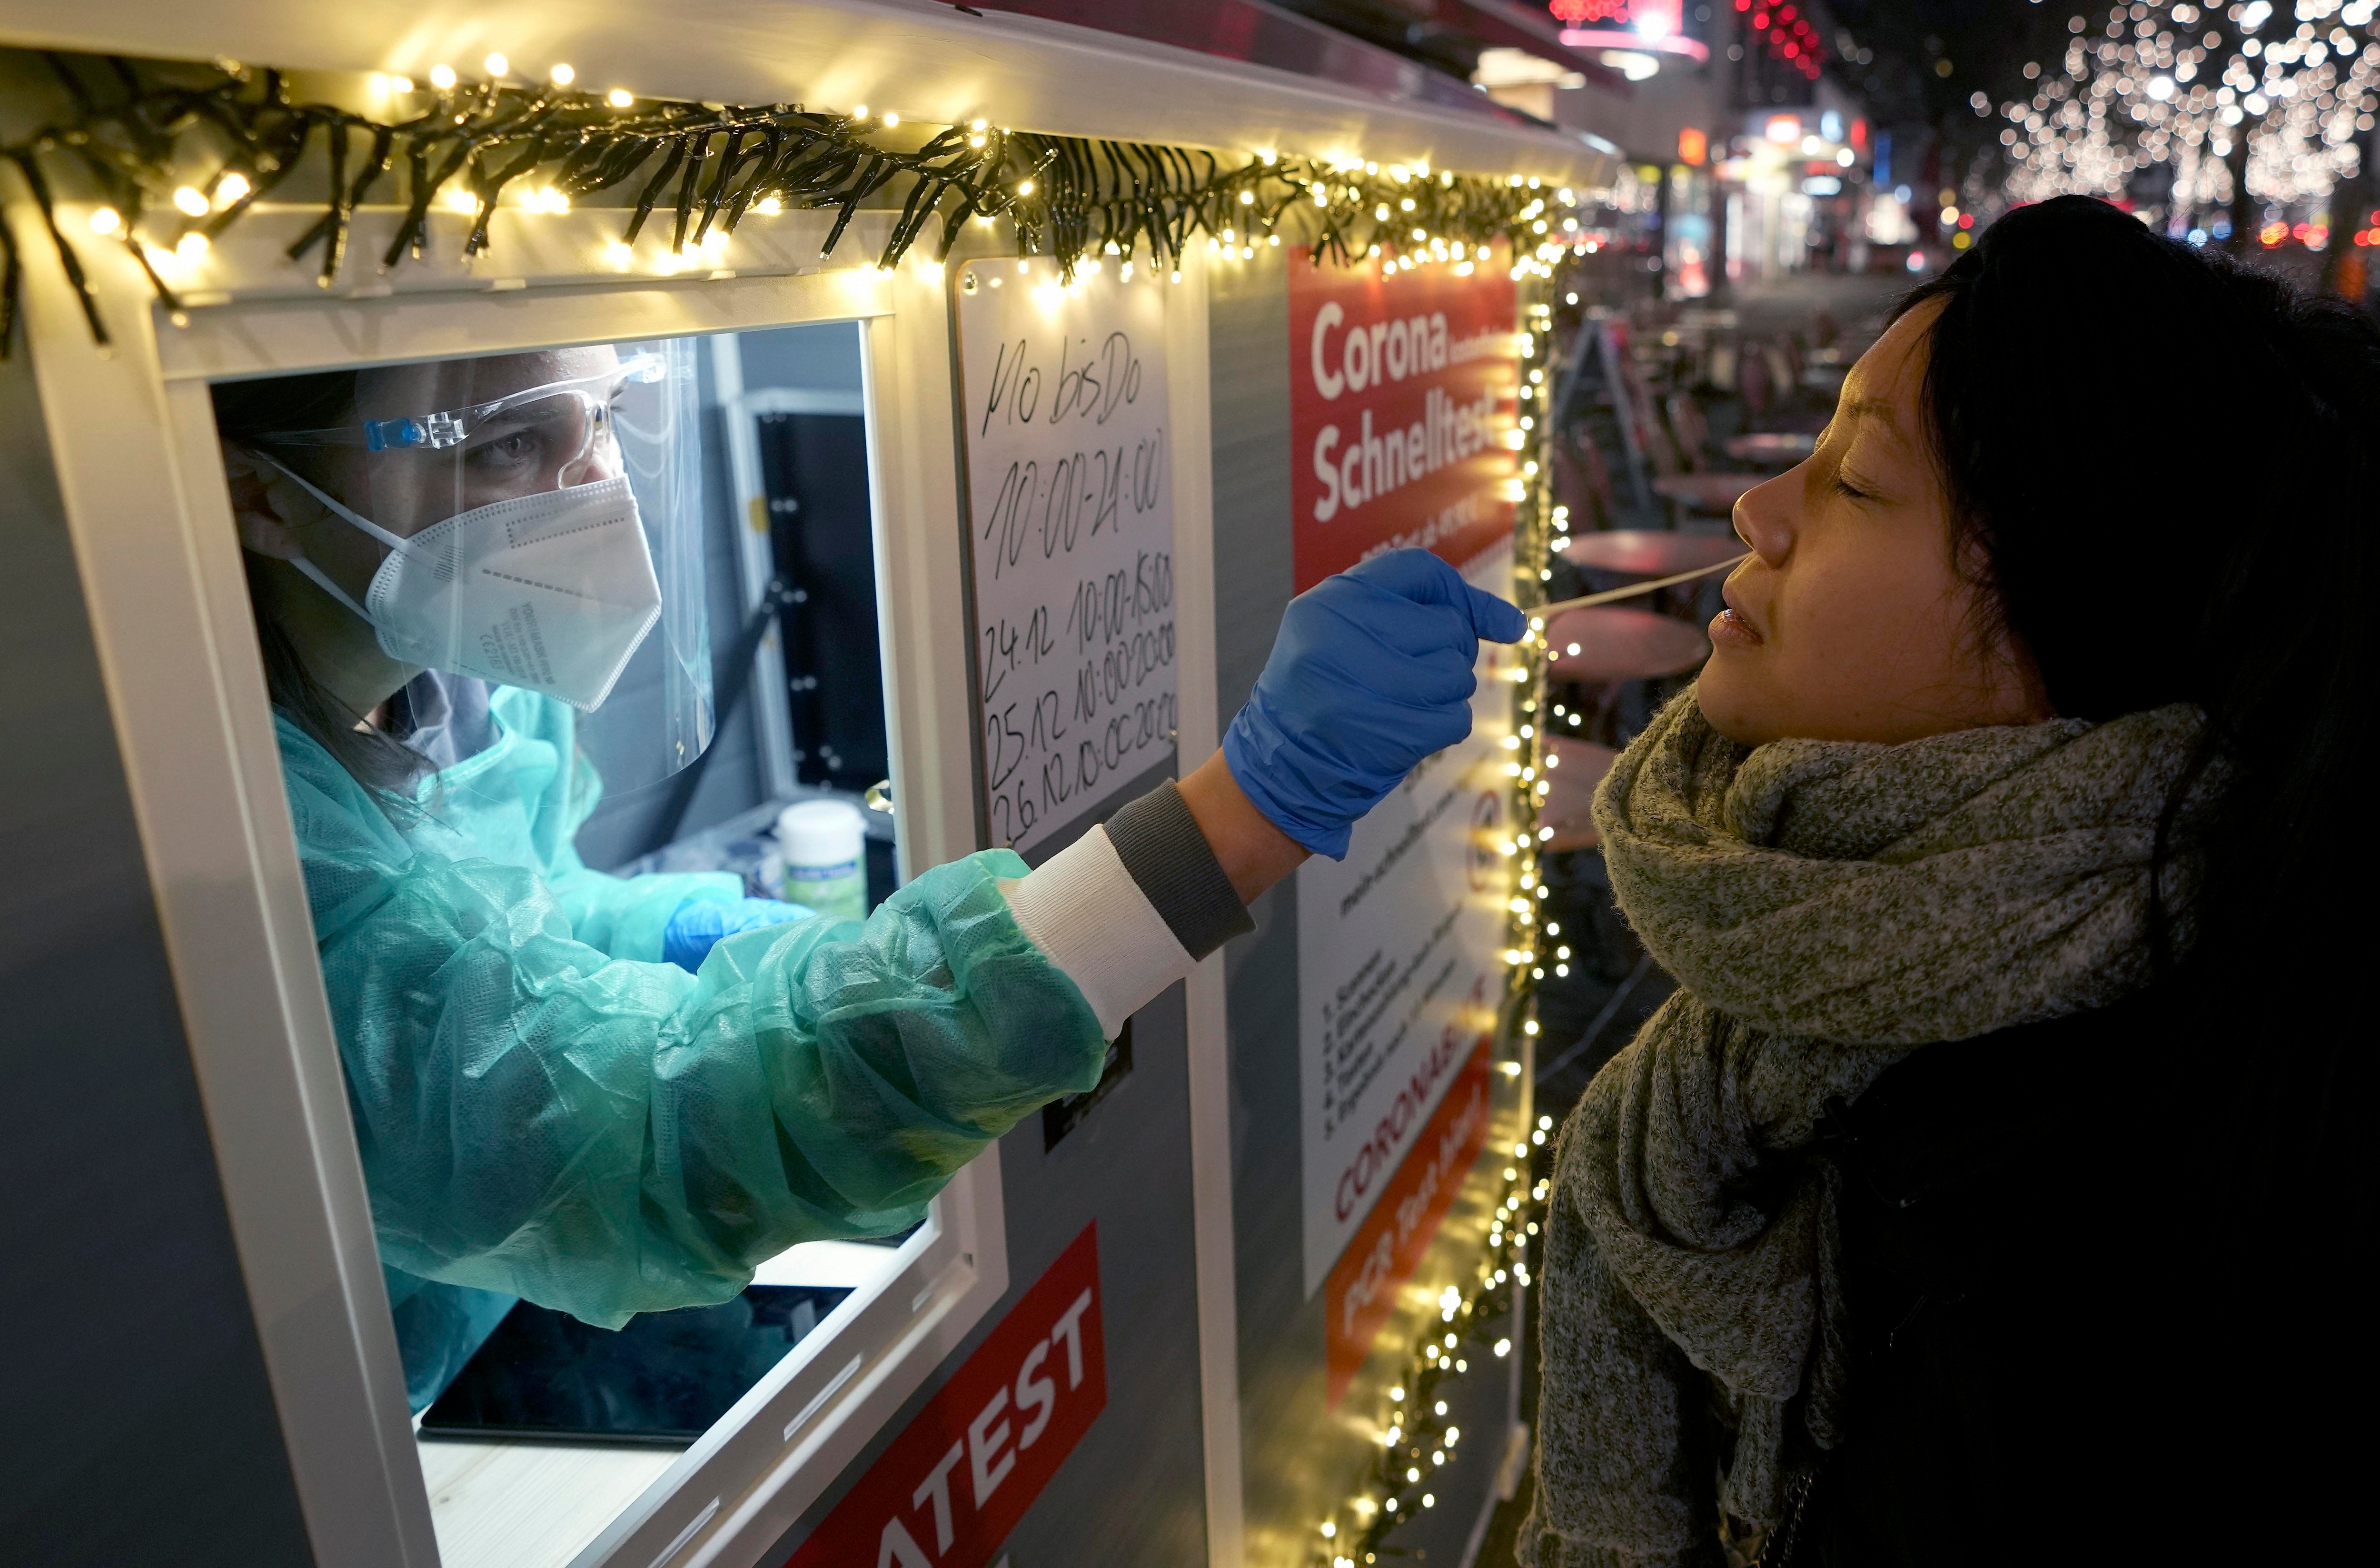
(575,413)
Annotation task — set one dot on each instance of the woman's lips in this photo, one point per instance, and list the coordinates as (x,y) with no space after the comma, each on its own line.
(1730,629)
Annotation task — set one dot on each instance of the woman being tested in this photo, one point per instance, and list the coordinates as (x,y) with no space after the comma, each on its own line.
(612,1096)
(1988,1192)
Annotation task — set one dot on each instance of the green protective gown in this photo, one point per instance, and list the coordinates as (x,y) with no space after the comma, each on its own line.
(547,1109)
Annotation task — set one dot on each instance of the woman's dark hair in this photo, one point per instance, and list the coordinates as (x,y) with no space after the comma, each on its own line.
(2160,464)
(250,413)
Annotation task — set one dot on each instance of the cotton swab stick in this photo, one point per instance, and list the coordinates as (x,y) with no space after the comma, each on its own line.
(1547,612)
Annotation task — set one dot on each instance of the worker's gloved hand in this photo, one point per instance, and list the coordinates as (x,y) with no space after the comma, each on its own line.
(1371,672)
(697,926)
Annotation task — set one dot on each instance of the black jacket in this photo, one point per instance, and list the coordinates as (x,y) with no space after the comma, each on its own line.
(2054,1361)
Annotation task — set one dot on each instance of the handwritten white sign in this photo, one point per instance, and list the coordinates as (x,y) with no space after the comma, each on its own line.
(1070,508)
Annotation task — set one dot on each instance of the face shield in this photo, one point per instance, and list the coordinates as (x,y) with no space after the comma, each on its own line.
(530,520)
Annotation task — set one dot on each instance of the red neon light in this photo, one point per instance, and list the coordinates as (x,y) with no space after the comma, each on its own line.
(1575,12)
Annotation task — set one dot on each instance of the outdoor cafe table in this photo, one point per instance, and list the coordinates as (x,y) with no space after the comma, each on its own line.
(1573,770)
(1612,643)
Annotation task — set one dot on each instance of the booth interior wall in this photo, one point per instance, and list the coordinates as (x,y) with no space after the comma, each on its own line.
(141,1427)
(823,358)
(820,361)
(733,779)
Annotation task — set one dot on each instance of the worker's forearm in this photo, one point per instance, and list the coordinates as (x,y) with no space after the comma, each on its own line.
(1252,852)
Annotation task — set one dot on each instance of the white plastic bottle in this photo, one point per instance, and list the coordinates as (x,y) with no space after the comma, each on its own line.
(824,844)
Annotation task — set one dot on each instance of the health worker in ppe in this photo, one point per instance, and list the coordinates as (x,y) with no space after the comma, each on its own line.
(619,1095)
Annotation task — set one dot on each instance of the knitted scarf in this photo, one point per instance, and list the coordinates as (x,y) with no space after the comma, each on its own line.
(1825,908)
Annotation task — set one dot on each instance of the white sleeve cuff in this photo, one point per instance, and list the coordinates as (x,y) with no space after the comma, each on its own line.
(1083,909)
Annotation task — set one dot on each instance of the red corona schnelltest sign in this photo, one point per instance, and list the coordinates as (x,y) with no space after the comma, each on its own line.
(1403,423)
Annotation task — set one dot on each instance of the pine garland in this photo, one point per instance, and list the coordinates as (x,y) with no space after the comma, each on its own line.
(132,130)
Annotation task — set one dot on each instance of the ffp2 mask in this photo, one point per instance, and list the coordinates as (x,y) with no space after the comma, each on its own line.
(551,591)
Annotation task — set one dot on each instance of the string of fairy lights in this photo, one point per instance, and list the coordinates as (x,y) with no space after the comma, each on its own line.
(1415,1434)
(2218,93)
(170,155)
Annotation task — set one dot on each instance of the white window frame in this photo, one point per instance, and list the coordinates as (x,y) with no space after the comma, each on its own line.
(132,433)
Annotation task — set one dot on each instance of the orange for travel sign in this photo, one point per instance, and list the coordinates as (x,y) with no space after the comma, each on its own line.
(1362,1289)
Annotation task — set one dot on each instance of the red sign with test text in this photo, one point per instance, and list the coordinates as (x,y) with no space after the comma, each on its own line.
(963,1472)
(1402,409)
(1362,1288)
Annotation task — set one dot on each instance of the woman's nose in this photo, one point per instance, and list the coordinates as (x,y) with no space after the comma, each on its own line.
(1763,516)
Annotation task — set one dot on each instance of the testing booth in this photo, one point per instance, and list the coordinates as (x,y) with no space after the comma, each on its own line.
(983,404)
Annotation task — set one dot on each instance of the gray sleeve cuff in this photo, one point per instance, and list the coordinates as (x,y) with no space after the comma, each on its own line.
(1159,843)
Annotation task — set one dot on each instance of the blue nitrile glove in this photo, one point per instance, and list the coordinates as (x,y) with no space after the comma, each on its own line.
(699,924)
(1372,671)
